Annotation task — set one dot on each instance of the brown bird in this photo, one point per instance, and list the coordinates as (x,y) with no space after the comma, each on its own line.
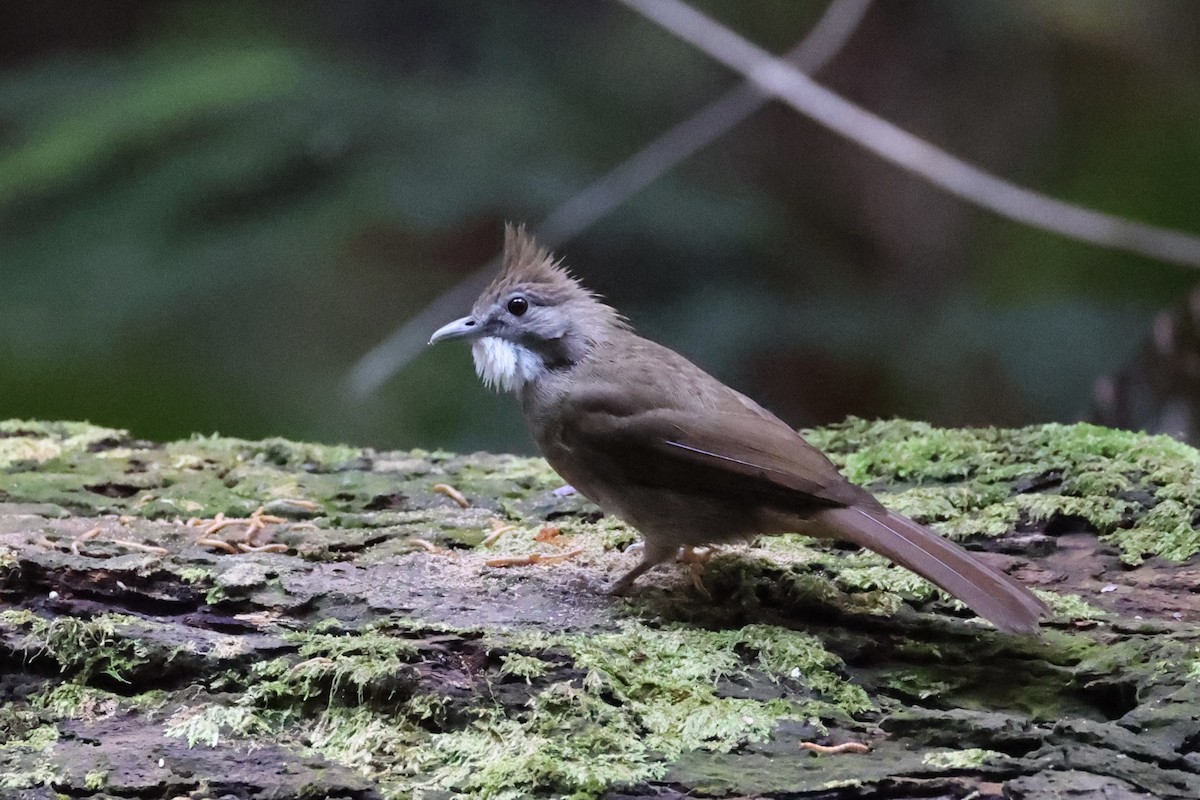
(653,439)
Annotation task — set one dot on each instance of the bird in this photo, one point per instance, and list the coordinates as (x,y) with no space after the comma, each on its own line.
(656,441)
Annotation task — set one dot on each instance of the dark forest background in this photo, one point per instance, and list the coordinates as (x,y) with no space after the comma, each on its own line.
(210,210)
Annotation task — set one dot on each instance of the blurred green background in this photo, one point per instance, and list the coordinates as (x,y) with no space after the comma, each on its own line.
(209,210)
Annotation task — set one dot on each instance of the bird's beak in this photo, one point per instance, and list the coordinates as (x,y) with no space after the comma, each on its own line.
(459,329)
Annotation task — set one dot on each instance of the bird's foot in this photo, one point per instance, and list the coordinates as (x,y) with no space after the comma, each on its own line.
(695,558)
(620,588)
(687,554)
(652,555)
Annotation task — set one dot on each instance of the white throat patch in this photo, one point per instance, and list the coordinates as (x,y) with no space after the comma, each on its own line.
(504,365)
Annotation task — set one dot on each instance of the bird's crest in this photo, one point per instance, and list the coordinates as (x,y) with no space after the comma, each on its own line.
(531,268)
(527,261)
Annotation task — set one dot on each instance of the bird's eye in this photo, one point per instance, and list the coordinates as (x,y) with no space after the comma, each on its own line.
(518,306)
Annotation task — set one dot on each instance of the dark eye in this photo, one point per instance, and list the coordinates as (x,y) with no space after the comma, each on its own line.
(518,306)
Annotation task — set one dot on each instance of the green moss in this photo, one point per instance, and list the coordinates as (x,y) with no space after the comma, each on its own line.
(568,742)
(1103,512)
(807,573)
(8,560)
(938,503)
(568,713)
(371,643)
(509,477)
(1167,531)
(983,481)
(647,696)
(72,700)
(664,682)
(1192,672)
(623,706)
(867,571)
(1071,607)
(373,743)
(216,595)
(33,442)
(83,648)
(522,666)
(195,575)
(1136,490)
(367,664)
(276,452)
(18,617)
(94,646)
(200,477)
(40,775)
(918,683)
(23,733)
(206,724)
(39,737)
(969,758)
(784,652)
(95,780)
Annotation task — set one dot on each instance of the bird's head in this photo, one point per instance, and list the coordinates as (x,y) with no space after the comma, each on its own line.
(533,318)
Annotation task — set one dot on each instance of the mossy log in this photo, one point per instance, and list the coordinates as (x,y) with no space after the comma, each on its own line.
(224,618)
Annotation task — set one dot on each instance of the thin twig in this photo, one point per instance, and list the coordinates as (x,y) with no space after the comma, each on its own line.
(910,152)
(608,192)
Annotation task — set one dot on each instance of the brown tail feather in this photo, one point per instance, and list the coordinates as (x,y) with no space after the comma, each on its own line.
(989,592)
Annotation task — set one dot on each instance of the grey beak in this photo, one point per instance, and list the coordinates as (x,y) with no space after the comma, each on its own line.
(459,329)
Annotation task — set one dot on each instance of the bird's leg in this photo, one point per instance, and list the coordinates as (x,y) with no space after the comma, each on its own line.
(653,554)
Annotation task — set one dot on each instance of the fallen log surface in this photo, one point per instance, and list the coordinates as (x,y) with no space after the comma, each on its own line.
(225,618)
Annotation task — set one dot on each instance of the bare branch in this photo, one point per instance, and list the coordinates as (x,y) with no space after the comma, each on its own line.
(608,192)
(910,152)
(698,131)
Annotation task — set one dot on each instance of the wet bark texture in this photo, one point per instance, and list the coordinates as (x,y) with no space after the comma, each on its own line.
(351,634)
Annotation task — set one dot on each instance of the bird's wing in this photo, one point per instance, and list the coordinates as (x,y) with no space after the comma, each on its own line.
(747,457)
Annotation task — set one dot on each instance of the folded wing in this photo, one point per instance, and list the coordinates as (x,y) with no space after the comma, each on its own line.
(746,457)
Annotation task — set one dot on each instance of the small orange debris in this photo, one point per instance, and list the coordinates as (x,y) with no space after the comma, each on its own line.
(274,547)
(452,493)
(835,749)
(549,534)
(531,559)
(255,524)
(145,548)
(205,541)
(499,528)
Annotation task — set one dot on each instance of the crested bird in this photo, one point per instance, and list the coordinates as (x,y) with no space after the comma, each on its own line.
(653,439)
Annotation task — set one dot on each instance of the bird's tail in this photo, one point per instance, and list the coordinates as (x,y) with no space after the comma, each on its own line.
(989,592)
